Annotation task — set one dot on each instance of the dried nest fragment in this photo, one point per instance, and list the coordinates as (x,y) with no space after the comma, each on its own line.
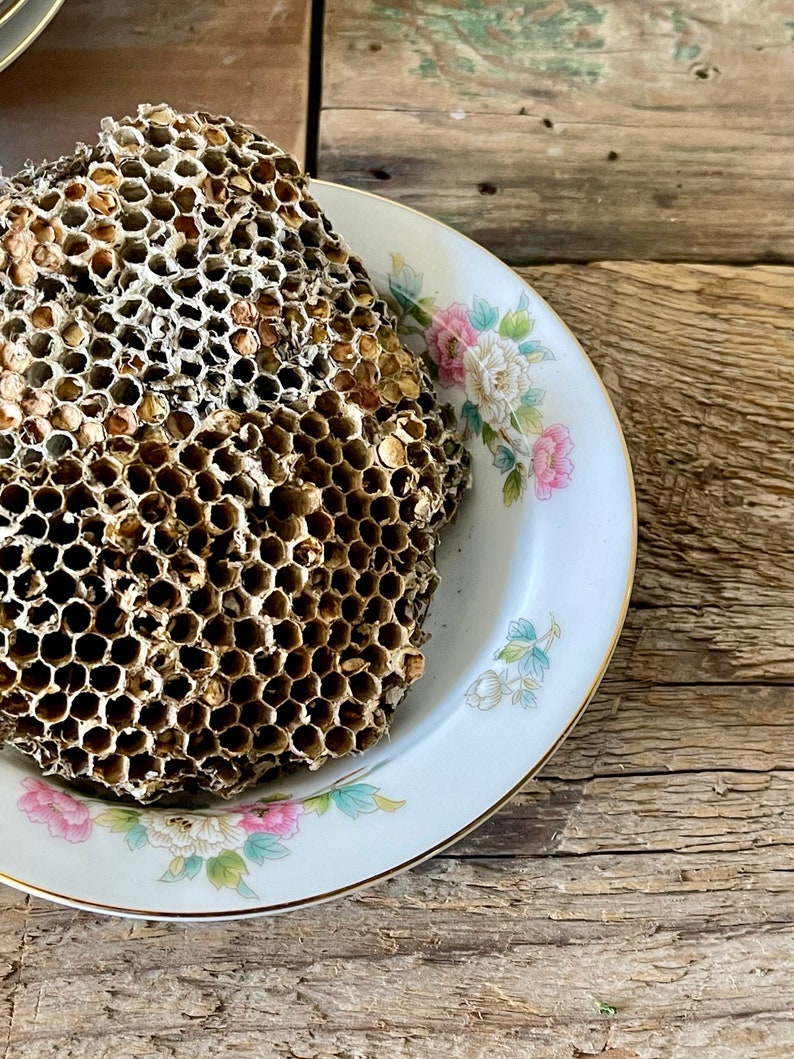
(221,476)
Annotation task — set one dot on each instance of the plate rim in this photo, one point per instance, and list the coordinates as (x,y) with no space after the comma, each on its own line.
(440,846)
(21,46)
(8,12)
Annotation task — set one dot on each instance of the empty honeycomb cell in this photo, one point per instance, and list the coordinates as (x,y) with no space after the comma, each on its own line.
(154,716)
(350,716)
(368,737)
(53,707)
(364,687)
(298,664)
(15,499)
(224,716)
(374,480)
(24,645)
(90,648)
(163,594)
(232,663)
(306,689)
(105,678)
(308,741)
(340,741)
(395,538)
(36,676)
(304,606)
(384,509)
(212,447)
(55,647)
(370,533)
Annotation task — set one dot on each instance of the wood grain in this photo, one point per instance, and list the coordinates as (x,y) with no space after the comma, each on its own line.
(571,129)
(700,364)
(224,56)
(635,900)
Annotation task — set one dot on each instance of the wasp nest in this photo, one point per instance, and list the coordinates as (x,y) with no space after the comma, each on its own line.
(221,475)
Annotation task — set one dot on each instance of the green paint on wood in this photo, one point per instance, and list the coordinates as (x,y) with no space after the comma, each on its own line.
(428,67)
(687,52)
(679,19)
(686,48)
(488,40)
(790,27)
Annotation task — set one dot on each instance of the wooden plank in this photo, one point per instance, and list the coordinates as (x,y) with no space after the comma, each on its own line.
(571,129)
(689,955)
(225,56)
(699,364)
(729,644)
(633,728)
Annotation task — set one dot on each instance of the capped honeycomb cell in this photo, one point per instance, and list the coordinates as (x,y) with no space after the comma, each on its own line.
(222,478)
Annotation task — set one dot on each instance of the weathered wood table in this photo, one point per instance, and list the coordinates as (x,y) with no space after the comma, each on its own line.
(635,901)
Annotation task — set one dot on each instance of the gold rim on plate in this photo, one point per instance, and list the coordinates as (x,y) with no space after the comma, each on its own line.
(48,13)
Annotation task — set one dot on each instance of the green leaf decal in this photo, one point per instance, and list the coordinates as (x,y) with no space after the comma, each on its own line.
(261,846)
(137,837)
(513,650)
(319,804)
(541,657)
(244,890)
(422,311)
(405,287)
(528,698)
(119,820)
(193,866)
(527,420)
(515,325)
(226,869)
(471,416)
(511,490)
(532,397)
(176,870)
(355,799)
(535,352)
(522,630)
(482,315)
(505,459)
(490,437)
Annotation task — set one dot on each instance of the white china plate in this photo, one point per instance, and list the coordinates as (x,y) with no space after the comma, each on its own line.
(21,21)
(529,610)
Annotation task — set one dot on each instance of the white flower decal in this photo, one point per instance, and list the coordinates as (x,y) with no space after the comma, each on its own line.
(496,377)
(192,834)
(526,661)
(488,353)
(486,691)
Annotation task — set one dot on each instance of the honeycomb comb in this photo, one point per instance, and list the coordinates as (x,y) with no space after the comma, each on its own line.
(222,477)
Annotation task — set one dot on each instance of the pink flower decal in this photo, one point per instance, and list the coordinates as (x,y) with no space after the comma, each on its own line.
(64,816)
(551,459)
(448,337)
(276,818)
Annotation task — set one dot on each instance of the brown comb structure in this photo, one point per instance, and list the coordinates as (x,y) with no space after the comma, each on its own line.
(222,477)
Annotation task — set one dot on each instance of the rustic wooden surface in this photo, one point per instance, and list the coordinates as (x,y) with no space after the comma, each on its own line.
(557,130)
(225,56)
(636,900)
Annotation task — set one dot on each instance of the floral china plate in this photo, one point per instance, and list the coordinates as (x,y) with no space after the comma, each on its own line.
(536,573)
